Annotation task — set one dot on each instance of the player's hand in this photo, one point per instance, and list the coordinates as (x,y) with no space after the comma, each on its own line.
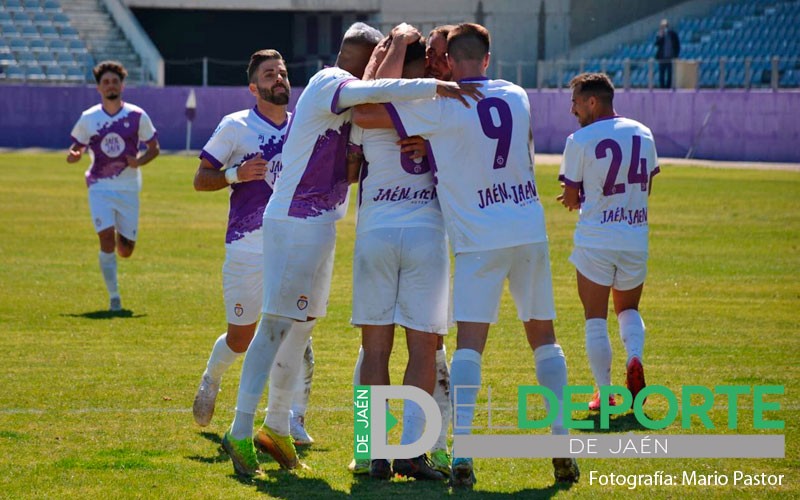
(405,33)
(73,155)
(564,201)
(132,161)
(414,145)
(254,169)
(458,91)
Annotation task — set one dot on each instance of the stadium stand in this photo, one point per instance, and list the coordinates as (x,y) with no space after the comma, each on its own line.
(739,38)
(41,41)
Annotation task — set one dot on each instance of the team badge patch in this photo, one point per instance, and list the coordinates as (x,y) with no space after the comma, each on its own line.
(302,302)
(238,310)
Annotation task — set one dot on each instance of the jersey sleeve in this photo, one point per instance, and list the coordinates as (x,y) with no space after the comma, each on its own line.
(422,117)
(571,171)
(219,148)
(146,129)
(80,134)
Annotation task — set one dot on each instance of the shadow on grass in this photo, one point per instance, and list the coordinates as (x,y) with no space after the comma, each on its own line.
(616,423)
(105,314)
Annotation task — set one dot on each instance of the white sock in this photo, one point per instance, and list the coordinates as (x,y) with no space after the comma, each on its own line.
(465,370)
(631,331)
(598,349)
(357,368)
(441,393)
(551,372)
(413,422)
(108,266)
(255,370)
(302,389)
(221,358)
(284,375)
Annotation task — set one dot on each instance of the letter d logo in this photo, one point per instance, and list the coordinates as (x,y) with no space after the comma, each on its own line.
(379,394)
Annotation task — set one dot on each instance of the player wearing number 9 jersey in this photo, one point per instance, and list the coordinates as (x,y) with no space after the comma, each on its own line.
(607,173)
(484,175)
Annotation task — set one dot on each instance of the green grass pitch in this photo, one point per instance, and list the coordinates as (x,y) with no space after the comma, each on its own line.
(93,406)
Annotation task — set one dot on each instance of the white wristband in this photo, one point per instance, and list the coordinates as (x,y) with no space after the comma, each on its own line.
(232,175)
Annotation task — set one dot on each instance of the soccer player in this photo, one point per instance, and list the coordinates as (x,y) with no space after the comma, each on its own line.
(607,172)
(309,197)
(436,49)
(495,222)
(248,143)
(401,263)
(112,131)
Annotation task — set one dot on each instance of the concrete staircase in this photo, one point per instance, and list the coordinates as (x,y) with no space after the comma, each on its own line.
(102,36)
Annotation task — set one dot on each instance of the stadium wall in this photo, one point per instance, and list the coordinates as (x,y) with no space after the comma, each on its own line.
(740,125)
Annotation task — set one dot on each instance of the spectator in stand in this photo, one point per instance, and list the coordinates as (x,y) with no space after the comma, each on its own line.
(668,47)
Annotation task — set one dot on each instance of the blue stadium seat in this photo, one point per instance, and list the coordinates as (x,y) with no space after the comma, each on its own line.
(51,6)
(14,73)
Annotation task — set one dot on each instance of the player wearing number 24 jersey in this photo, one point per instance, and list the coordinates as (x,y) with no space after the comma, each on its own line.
(607,173)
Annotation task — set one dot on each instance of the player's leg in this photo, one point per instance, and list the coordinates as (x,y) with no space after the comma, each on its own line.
(305,296)
(126,221)
(595,274)
(477,288)
(102,212)
(531,286)
(242,291)
(302,392)
(627,292)
(440,455)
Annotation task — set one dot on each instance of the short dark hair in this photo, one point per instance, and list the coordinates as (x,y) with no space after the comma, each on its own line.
(468,41)
(415,51)
(257,58)
(115,67)
(443,30)
(598,85)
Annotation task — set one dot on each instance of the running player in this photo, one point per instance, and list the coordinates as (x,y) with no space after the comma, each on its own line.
(112,132)
(244,153)
(310,195)
(495,222)
(610,253)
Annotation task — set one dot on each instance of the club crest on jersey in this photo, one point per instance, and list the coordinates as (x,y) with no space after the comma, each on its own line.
(238,310)
(112,145)
(302,302)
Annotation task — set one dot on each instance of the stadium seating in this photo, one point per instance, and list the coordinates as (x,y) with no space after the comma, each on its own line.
(38,43)
(744,32)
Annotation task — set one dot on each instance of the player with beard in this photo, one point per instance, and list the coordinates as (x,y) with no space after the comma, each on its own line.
(112,131)
(244,153)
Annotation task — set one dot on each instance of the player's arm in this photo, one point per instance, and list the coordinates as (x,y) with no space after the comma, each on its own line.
(377,57)
(372,116)
(402,36)
(75,152)
(414,146)
(357,92)
(354,161)
(153,150)
(211,178)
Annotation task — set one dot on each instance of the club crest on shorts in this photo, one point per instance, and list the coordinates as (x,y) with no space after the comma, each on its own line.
(238,310)
(302,302)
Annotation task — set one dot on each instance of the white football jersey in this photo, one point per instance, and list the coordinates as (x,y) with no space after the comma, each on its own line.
(394,190)
(482,163)
(611,162)
(239,137)
(313,186)
(109,140)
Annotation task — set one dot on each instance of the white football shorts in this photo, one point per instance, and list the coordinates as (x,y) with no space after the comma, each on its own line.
(242,279)
(619,269)
(402,276)
(298,265)
(118,209)
(479,278)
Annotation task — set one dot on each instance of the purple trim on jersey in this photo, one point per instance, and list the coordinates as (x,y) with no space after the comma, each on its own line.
(248,200)
(396,121)
(208,156)
(76,141)
(115,114)
(431,162)
(474,79)
(609,117)
(335,100)
(155,135)
(270,122)
(570,183)
(324,185)
(362,175)
(104,166)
